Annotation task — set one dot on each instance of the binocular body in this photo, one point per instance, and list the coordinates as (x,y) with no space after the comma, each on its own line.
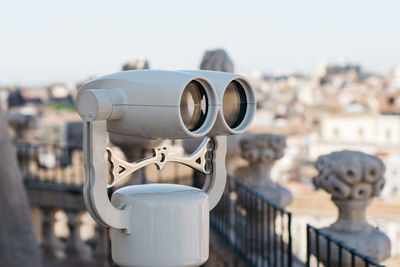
(169,104)
(160,224)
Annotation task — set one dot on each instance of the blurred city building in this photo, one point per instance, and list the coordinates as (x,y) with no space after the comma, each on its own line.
(136,64)
(339,107)
(217,60)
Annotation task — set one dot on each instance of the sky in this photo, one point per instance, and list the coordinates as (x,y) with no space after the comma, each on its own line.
(46,41)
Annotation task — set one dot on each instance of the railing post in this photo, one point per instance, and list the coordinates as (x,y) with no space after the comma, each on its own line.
(231,216)
(52,248)
(308,246)
(290,256)
(101,253)
(75,247)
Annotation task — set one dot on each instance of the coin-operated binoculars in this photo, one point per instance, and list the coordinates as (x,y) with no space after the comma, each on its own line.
(160,224)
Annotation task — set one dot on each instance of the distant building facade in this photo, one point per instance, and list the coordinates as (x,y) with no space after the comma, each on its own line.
(373,134)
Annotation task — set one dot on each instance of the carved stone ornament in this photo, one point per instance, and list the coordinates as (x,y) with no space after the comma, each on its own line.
(353,178)
(261,151)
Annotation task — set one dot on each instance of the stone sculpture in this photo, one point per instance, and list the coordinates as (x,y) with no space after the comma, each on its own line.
(353,178)
(261,151)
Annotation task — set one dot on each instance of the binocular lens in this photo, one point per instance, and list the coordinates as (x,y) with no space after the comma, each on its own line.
(194,106)
(234,104)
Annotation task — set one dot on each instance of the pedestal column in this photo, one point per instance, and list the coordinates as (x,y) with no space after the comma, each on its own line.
(353,179)
(264,221)
(262,151)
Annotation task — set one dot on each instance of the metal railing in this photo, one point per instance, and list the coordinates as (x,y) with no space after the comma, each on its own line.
(343,254)
(52,164)
(54,177)
(254,228)
(257,230)
(62,166)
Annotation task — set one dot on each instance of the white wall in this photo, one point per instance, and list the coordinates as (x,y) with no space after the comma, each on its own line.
(376,129)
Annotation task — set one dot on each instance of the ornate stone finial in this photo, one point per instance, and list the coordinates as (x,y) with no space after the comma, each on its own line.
(261,151)
(352,178)
(217,60)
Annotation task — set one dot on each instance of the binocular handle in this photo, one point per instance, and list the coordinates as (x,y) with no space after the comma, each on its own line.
(215,182)
(95,188)
(120,169)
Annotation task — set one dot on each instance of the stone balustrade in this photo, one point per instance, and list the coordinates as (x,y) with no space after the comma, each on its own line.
(46,201)
(352,178)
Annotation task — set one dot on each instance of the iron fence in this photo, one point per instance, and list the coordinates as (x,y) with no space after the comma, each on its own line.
(256,229)
(335,252)
(51,164)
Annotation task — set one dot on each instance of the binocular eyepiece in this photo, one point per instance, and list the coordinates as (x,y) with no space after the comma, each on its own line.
(169,104)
